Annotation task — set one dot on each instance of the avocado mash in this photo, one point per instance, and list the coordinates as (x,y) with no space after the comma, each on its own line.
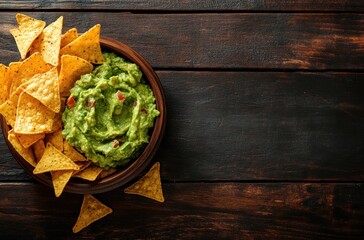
(109,113)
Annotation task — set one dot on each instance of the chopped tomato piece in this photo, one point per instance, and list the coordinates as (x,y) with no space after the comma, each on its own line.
(116,143)
(120,96)
(71,102)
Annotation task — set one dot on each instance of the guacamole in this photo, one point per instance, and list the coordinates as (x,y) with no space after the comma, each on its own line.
(109,113)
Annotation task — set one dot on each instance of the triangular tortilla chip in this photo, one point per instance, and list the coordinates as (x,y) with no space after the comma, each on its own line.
(27,140)
(83,165)
(8,108)
(22,72)
(69,37)
(86,46)
(56,139)
(72,153)
(4,79)
(108,172)
(60,180)
(45,88)
(57,122)
(32,116)
(38,149)
(91,211)
(54,160)
(48,43)
(29,29)
(90,173)
(26,153)
(72,68)
(149,186)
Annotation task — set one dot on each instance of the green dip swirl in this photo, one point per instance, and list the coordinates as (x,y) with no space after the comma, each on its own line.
(110,114)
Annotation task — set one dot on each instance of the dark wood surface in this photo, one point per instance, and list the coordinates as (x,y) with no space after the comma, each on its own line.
(265,132)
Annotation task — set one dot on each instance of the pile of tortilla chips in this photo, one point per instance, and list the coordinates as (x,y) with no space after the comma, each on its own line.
(33,96)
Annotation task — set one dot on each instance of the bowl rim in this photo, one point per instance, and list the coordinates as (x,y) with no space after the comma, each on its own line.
(135,168)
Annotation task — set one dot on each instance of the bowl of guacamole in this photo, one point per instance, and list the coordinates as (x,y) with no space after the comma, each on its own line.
(116,117)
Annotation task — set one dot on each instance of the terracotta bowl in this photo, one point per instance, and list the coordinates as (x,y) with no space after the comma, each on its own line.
(135,168)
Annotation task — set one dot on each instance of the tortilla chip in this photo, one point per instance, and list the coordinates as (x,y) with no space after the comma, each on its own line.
(38,149)
(86,46)
(60,180)
(56,139)
(4,79)
(27,140)
(149,185)
(32,116)
(29,29)
(83,165)
(22,72)
(48,43)
(26,153)
(91,211)
(57,122)
(8,108)
(90,173)
(108,172)
(45,88)
(68,37)
(54,160)
(72,68)
(72,153)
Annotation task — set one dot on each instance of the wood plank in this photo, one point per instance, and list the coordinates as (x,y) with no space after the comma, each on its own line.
(192,211)
(257,126)
(189,5)
(210,41)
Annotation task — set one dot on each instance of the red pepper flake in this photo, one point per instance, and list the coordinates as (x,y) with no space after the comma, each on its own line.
(120,96)
(143,110)
(71,102)
(116,143)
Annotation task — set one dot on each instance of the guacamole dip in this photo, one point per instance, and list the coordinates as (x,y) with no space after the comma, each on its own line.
(109,113)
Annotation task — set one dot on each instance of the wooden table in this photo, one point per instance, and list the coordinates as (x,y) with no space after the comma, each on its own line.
(265,132)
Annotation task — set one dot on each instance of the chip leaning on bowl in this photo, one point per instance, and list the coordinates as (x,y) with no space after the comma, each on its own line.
(109,113)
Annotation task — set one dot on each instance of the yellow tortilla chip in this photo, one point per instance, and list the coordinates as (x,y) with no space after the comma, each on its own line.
(56,139)
(4,79)
(72,153)
(108,172)
(72,68)
(54,160)
(69,37)
(57,122)
(60,180)
(91,211)
(26,140)
(149,186)
(26,153)
(86,46)
(32,116)
(90,173)
(38,149)
(83,165)
(45,88)
(48,43)
(29,29)
(22,72)
(8,108)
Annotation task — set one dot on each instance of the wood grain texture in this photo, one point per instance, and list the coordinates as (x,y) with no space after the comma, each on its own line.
(188,5)
(210,41)
(192,211)
(257,126)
